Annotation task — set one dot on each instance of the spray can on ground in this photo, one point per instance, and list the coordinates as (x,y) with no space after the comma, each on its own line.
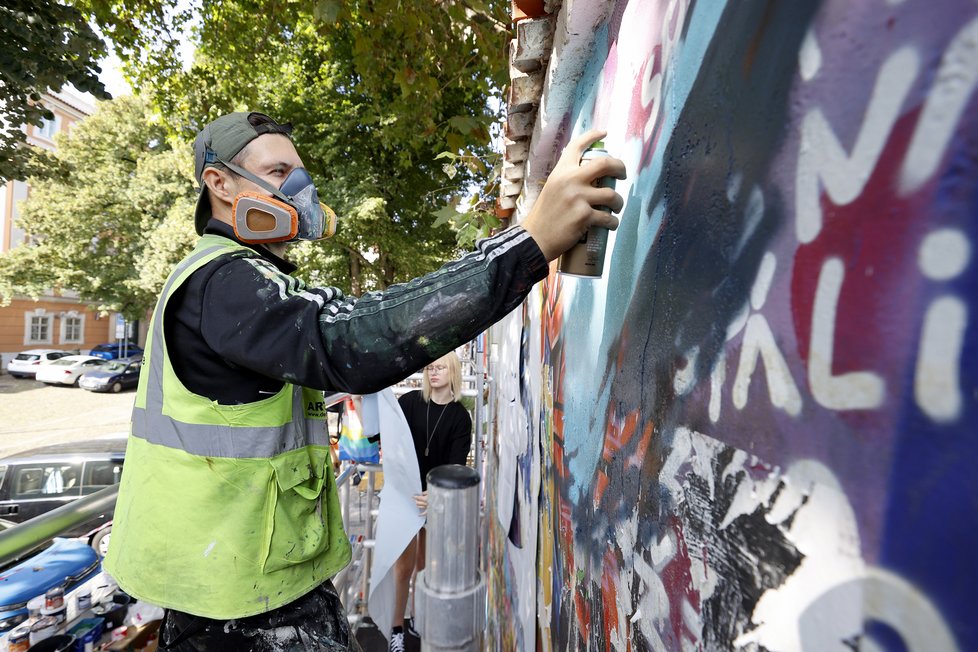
(586,258)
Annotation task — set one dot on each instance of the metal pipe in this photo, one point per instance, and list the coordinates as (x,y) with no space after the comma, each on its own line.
(488,443)
(14,542)
(348,583)
(479,405)
(343,481)
(334,398)
(451,593)
(367,467)
(345,475)
(368,538)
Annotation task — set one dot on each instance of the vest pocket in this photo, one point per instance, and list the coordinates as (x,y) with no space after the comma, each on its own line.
(295,528)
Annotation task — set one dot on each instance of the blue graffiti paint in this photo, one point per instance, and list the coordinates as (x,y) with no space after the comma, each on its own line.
(596,327)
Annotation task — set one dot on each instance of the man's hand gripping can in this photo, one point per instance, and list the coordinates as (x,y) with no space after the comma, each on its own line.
(586,258)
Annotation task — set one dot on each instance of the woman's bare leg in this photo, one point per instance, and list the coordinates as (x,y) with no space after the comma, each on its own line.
(403,570)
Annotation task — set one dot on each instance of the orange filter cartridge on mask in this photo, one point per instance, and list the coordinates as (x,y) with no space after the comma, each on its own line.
(259,219)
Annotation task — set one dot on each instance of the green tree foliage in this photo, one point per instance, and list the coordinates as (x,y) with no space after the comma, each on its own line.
(43,45)
(377,91)
(109,214)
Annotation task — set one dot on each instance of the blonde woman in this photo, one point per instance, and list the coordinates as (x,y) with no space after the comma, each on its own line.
(442,432)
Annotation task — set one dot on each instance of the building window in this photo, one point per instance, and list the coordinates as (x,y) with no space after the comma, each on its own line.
(37,326)
(48,128)
(40,327)
(73,328)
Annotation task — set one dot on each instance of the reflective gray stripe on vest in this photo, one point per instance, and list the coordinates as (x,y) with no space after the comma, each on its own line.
(230,441)
(214,440)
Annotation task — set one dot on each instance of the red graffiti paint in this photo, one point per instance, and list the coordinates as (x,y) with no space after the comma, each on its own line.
(600,485)
(582,608)
(558,459)
(678,579)
(876,237)
(609,597)
(637,459)
(618,435)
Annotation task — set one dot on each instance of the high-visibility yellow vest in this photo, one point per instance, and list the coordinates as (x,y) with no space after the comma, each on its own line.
(224,511)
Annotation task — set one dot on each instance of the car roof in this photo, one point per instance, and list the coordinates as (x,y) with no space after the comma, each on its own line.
(82,358)
(39,351)
(108,447)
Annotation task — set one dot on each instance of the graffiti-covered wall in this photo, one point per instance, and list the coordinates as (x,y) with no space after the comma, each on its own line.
(759,429)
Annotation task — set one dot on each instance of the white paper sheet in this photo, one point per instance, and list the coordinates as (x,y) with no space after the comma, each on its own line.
(398,520)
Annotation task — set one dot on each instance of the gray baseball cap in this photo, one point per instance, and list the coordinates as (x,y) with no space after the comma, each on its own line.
(222,140)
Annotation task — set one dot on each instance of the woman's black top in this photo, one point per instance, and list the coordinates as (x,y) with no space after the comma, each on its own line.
(446,443)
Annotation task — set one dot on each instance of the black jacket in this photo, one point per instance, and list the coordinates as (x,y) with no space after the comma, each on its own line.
(242,325)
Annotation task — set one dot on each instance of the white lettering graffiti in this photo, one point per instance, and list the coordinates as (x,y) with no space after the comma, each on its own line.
(824,162)
(856,390)
(955,82)
(822,157)
(759,342)
(944,255)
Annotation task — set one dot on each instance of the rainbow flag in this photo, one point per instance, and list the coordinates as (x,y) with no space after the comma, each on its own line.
(355,445)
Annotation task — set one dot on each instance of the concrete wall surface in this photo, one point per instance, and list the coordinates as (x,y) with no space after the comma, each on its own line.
(759,429)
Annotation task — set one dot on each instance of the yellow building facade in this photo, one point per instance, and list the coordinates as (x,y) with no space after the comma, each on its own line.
(57,320)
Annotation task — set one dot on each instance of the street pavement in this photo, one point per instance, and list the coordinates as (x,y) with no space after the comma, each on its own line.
(33,414)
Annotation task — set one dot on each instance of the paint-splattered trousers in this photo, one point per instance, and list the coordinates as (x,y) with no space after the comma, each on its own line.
(315,622)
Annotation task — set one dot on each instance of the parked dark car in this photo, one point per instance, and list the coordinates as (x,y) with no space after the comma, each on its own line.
(38,480)
(114,350)
(113,376)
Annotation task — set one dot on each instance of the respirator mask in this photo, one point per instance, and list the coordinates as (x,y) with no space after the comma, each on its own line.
(293,212)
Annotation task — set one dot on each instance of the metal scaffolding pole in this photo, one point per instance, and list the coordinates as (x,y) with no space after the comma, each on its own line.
(479,410)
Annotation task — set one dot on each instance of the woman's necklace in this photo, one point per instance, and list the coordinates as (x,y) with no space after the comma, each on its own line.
(427,423)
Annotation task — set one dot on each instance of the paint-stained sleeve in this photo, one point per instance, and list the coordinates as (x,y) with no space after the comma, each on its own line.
(261,319)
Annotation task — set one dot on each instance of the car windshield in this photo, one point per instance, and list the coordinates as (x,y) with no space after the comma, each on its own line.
(27,356)
(65,363)
(114,366)
(104,347)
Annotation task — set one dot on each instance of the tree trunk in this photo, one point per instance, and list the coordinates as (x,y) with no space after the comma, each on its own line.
(355,280)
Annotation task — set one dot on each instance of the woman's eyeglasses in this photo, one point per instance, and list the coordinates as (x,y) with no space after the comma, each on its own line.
(436,368)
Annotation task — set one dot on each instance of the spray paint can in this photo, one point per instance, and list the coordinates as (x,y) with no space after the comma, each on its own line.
(19,639)
(586,258)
